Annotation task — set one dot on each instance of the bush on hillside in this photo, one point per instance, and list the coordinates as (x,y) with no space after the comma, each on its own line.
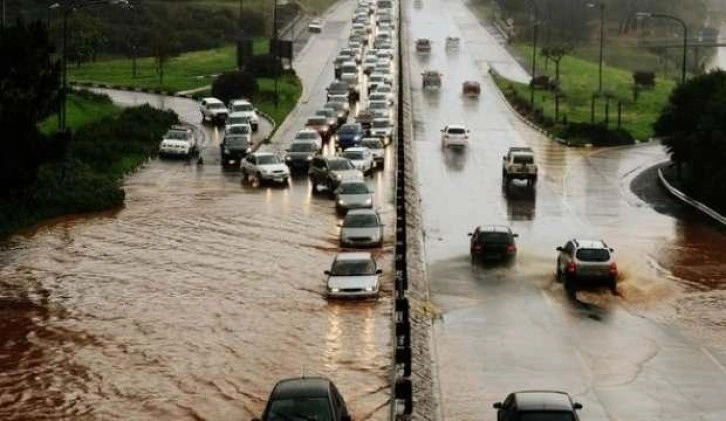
(265,65)
(235,84)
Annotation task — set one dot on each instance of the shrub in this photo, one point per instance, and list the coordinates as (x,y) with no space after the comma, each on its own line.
(235,84)
(644,79)
(264,65)
(597,134)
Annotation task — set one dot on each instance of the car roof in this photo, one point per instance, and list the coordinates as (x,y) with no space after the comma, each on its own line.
(362,211)
(353,255)
(263,154)
(212,100)
(456,126)
(352,182)
(382,119)
(520,149)
(356,149)
(239,114)
(590,244)
(547,400)
(240,101)
(303,387)
(306,131)
(495,228)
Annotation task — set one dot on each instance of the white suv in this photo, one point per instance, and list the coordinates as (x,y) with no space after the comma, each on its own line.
(454,135)
(586,263)
(213,110)
(245,108)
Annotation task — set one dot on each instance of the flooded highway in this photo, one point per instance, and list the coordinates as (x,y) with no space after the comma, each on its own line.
(657,351)
(193,300)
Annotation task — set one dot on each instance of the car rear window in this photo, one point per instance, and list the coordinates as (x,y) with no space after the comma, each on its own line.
(360,221)
(267,160)
(340,165)
(303,147)
(300,409)
(523,159)
(306,135)
(350,128)
(239,129)
(456,130)
(494,237)
(357,155)
(593,255)
(317,121)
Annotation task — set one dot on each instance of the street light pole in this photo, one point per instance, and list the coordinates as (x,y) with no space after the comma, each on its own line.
(685,36)
(602,43)
(276,53)
(534,51)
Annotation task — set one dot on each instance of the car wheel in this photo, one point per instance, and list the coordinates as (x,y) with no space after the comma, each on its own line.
(570,286)
(558,273)
(613,285)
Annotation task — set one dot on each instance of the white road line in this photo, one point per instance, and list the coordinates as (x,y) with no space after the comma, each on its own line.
(715,361)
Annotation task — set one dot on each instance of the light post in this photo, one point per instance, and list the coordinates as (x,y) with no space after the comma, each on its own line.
(602,43)
(66,7)
(276,53)
(641,15)
(534,52)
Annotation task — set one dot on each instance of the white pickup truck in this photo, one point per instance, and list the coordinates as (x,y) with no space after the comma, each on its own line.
(518,164)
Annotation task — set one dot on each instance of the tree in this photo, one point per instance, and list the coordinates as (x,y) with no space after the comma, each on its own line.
(235,84)
(692,126)
(556,53)
(30,84)
(86,37)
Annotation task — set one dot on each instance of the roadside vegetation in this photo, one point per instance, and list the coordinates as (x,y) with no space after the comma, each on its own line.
(83,107)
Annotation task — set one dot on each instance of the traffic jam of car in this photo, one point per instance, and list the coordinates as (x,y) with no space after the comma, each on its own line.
(338,152)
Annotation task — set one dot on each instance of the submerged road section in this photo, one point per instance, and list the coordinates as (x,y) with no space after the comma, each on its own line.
(657,351)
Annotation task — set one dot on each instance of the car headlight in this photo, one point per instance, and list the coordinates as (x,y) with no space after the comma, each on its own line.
(226,151)
(341,202)
(370,289)
(337,176)
(334,289)
(310,158)
(288,158)
(369,202)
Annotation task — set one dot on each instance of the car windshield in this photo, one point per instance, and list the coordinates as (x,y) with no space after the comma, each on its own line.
(267,159)
(353,267)
(377,105)
(545,416)
(372,144)
(176,135)
(360,221)
(383,89)
(340,165)
(339,86)
(306,135)
(300,409)
(350,128)
(593,255)
(236,141)
(215,106)
(243,107)
(354,155)
(326,112)
(303,147)
(353,188)
(381,124)
(456,130)
(494,237)
(239,129)
(317,121)
(523,159)
(237,120)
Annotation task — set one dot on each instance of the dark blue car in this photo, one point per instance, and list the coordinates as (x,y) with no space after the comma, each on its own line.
(350,135)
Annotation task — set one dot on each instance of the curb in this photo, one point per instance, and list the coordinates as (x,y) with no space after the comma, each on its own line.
(525,120)
(689,201)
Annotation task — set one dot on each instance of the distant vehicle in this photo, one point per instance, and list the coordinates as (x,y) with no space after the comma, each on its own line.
(369,63)
(492,242)
(382,128)
(544,405)
(380,96)
(352,194)
(349,75)
(178,141)
(300,154)
(309,134)
(519,164)
(452,43)
(471,88)
(365,118)
(234,148)
(350,135)
(330,171)
(353,275)
(213,110)
(245,108)
(337,87)
(237,118)
(454,135)
(266,166)
(341,109)
(381,109)
(361,158)
(305,398)
(315,26)
(585,264)
(431,79)
(377,149)
(329,114)
(361,228)
(320,125)
(423,45)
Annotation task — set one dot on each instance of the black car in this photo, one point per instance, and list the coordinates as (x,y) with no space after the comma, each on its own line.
(300,154)
(305,398)
(234,148)
(492,242)
(538,405)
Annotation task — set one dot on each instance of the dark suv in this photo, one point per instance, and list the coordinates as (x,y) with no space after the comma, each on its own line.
(305,398)
(330,171)
(586,263)
(535,405)
(492,242)
(233,149)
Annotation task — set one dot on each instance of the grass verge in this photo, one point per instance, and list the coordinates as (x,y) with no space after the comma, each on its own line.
(578,83)
(83,108)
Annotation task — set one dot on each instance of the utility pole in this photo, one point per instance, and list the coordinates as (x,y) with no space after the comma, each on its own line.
(276,53)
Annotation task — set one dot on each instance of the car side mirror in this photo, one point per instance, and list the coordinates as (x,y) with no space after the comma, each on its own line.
(577,405)
(504,157)
(560,249)
(611,249)
(469,234)
(327,272)
(515,235)
(497,405)
(345,417)
(379,271)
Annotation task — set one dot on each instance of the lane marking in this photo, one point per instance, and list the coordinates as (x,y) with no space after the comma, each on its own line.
(712,358)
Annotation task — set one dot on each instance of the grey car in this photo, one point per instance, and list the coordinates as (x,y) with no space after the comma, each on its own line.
(353,194)
(361,228)
(382,128)
(353,275)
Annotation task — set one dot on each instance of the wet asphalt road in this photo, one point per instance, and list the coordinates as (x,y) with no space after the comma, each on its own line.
(197,296)
(656,352)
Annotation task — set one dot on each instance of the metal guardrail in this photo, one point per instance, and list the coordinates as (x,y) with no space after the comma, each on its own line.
(689,201)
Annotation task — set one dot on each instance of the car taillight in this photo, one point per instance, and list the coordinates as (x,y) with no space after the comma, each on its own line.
(571,267)
(511,248)
(613,269)
(478,247)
